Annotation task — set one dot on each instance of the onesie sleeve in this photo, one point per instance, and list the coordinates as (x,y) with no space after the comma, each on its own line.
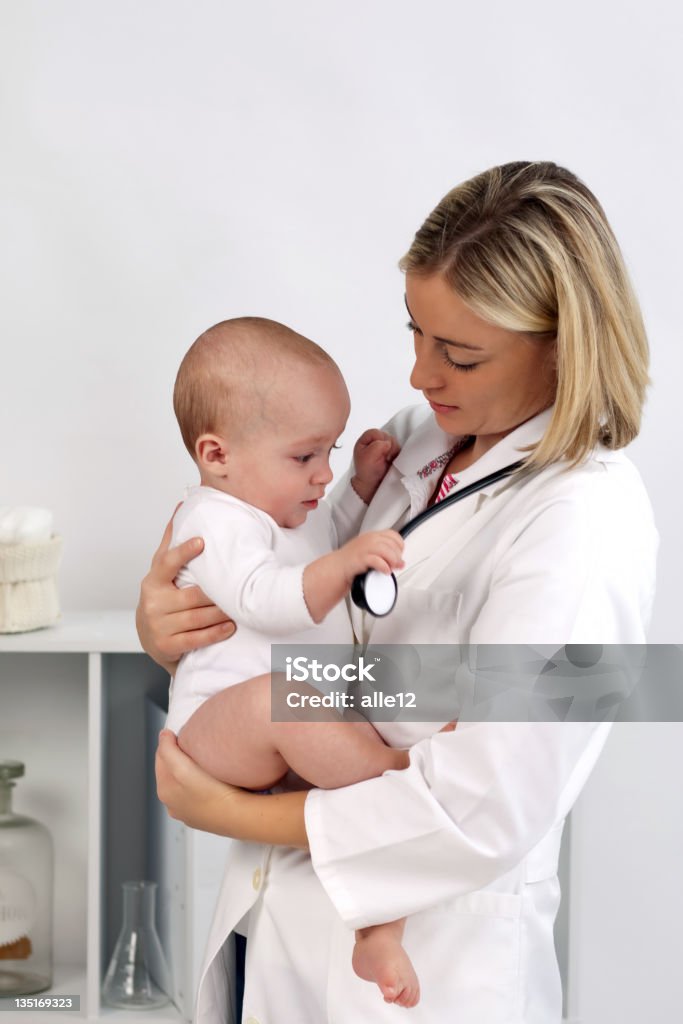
(239,571)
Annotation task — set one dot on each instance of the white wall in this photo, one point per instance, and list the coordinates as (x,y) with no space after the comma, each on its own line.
(167,164)
(627,893)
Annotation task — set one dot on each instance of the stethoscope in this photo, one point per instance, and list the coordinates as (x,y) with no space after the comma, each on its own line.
(376,592)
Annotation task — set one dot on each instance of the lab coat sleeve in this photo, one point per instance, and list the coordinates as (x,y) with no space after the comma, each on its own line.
(474,802)
(239,572)
(469,808)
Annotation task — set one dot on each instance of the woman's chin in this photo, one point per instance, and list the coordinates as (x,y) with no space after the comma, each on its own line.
(449,418)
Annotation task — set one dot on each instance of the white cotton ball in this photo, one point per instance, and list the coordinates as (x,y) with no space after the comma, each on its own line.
(25,524)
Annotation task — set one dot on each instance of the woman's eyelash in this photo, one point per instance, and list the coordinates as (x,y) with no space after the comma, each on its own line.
(456,366)
(414,329)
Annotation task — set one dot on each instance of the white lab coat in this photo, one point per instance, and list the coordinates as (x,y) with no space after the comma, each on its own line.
(466,840)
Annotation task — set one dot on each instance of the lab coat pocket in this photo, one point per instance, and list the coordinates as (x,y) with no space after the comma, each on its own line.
(467,955)
(424,616)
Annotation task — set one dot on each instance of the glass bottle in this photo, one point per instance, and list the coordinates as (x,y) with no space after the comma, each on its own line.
(26,877)
(138,976)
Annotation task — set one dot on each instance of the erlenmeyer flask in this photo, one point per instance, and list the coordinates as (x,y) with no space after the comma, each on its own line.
(138,976)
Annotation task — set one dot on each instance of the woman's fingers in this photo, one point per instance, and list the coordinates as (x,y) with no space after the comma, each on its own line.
(194,598)
(189,794)
(167,562)
(175,777)
(165,542)
(190,639)
(193,610)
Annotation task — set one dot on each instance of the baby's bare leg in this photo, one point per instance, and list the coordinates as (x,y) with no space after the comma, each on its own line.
(232,737)
(379,956)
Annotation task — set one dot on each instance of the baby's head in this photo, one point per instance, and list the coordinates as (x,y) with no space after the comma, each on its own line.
(260,408)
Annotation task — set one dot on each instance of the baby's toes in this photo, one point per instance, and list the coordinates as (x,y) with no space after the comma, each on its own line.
(409,997)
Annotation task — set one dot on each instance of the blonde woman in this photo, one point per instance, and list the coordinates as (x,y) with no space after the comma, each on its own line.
(528,344)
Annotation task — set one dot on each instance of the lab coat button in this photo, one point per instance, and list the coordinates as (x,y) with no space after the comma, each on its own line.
(256,882)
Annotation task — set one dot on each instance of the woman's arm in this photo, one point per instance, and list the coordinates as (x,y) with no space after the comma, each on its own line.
(203,803)
(170,620)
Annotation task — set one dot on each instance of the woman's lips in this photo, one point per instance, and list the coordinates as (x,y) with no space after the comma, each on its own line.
(438,407)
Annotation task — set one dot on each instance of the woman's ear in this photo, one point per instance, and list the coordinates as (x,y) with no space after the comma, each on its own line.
(211,452)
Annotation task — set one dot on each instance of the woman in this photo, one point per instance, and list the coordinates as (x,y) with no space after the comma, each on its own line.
(528,343)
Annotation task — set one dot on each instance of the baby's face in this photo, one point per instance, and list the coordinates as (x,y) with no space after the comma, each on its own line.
(284,467)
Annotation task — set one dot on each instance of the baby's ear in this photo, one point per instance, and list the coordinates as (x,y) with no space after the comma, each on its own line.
(211,452)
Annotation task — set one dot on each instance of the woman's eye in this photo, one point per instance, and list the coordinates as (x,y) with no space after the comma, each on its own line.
(414,329)
(457,366)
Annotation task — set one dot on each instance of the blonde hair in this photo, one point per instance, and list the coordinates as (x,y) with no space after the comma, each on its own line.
(528,247)
(226,375)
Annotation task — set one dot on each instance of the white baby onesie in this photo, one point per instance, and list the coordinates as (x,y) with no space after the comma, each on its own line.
(252,569)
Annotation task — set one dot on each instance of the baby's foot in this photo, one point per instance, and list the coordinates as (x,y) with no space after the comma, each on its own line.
(379,956)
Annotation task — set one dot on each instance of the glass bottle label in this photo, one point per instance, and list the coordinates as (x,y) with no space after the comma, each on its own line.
(17,906)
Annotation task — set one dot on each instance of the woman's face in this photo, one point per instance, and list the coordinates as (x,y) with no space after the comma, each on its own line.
(479,379)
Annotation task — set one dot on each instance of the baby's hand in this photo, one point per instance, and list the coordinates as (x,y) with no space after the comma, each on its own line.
(373,453)
(379,549)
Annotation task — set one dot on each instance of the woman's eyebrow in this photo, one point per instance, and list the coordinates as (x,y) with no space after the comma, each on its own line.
(446,341)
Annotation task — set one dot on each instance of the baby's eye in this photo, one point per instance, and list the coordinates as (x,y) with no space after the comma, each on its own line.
(303,459)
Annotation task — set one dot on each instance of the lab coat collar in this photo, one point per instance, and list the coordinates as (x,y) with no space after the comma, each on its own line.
(510,448)
(428,441)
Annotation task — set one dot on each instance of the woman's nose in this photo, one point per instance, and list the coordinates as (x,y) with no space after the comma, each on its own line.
(427,372)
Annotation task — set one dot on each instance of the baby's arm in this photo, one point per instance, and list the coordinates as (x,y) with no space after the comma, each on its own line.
(239,571)
(328,580)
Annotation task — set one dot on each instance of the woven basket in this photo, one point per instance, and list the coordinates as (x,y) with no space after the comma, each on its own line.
(28,585)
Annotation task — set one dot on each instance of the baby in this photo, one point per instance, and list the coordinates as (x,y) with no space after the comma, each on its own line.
(260,409)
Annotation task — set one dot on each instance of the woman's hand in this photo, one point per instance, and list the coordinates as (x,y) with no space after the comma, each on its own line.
(190,795)
(200,801)
(171,620)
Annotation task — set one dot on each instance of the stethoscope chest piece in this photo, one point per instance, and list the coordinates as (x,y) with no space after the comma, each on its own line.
(375,592)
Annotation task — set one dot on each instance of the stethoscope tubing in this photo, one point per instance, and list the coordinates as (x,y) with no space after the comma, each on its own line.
(359,587)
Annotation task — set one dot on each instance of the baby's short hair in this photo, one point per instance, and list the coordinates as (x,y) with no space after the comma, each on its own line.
(223,380)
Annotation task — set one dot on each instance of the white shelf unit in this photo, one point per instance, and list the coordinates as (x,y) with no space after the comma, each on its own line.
(80,705)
